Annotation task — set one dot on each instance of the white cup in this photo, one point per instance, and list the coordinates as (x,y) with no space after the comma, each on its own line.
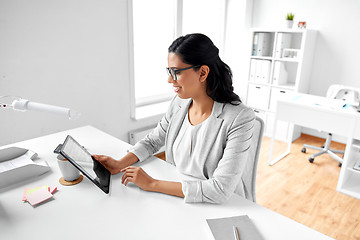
(68,171)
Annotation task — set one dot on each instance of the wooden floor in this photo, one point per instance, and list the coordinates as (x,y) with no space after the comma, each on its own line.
(307,192)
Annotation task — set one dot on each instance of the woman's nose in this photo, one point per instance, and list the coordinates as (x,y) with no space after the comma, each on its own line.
(170,79)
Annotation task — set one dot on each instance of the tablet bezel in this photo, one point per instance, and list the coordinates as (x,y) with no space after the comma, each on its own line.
(104,188)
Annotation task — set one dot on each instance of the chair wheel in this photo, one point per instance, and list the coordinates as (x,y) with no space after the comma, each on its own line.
(311,160)
(340,164)
(303,150)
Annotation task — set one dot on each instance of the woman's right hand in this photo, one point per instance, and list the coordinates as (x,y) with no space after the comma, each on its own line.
(109,163)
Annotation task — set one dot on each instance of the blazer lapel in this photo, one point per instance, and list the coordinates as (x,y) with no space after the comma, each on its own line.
(212,131)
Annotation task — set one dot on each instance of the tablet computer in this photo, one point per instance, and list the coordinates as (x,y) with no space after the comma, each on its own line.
(78,156)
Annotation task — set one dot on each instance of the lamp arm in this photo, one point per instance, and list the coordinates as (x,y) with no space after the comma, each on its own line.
(23,105)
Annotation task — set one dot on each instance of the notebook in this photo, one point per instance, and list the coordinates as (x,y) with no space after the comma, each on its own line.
(222,228)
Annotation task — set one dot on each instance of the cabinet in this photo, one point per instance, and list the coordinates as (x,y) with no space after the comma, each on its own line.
(280,66)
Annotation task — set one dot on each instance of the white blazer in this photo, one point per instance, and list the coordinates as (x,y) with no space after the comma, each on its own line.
(225,149)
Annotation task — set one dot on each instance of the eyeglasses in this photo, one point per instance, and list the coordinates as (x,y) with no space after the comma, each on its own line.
(173,72)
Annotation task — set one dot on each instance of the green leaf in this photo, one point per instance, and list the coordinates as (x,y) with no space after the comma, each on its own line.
(290,16)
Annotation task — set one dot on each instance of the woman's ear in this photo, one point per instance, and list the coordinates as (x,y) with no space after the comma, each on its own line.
(204,72)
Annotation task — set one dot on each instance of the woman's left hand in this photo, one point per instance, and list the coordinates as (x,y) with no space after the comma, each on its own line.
(138,176)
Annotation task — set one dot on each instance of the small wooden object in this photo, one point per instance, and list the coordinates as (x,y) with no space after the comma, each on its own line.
(70,183)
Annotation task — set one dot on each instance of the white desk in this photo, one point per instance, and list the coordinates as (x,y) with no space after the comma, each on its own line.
(84,212)
(326,115)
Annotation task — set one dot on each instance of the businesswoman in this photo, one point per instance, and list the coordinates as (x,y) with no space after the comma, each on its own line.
(206,131)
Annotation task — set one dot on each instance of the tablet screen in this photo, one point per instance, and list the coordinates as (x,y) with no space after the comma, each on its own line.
(83,161)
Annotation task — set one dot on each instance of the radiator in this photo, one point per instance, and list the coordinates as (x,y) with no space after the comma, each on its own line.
(137,135)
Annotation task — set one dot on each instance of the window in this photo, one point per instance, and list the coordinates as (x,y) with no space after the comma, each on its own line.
(153,26)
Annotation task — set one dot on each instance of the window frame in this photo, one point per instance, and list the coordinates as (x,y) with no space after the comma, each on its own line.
(160,98)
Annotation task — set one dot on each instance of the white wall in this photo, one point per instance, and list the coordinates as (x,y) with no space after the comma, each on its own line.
(74,53)
(338,23)
(71,53)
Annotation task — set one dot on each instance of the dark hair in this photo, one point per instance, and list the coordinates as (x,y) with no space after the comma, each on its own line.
(198,49)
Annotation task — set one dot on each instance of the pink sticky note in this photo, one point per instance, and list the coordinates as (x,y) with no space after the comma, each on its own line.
(52,189)
(24,195)
(31,190)
(38,196)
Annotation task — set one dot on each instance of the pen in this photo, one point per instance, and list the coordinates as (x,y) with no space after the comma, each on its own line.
(236,233)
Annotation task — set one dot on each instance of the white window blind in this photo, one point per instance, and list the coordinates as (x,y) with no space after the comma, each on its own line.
(153,29)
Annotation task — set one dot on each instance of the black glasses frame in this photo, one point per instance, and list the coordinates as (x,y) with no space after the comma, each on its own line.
(173,72)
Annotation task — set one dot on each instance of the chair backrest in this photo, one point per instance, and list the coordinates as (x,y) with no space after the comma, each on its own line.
(249,175)
(348,94)
(258,136)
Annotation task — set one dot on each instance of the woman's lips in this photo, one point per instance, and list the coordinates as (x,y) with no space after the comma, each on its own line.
(177,89)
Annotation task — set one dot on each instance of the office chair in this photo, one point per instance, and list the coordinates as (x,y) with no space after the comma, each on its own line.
(249,176)
(349,95)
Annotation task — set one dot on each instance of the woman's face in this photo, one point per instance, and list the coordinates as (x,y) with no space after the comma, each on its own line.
(188,83)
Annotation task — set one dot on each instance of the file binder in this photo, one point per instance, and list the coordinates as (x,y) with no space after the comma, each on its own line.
(266,45)
(258,71)
(262,44)
(265,71)
(283,41)
(280,74)
(255,44)
(253,63)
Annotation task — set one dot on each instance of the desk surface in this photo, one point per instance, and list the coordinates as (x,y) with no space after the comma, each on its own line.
(83,211)
(320,113)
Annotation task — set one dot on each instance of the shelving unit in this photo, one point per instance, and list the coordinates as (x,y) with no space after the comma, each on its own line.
(349,179)
(280,65)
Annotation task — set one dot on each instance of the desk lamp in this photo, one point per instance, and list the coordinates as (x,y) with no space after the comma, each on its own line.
(20,104)
(12,175)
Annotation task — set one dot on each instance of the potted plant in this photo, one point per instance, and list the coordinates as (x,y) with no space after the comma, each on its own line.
(289,20)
